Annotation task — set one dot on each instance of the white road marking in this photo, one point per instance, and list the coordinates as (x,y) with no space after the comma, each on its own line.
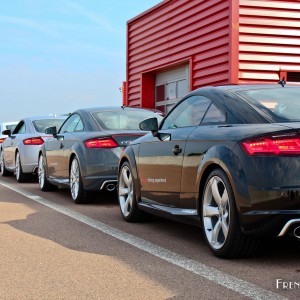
(218,277)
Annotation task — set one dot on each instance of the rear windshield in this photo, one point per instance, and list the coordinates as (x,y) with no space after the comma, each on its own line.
(41,125)
(280,104)
(123,119)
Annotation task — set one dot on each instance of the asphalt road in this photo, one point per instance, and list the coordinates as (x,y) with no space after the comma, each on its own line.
(51,248)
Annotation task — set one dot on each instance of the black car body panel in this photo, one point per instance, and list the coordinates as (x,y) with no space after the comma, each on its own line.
(170,167)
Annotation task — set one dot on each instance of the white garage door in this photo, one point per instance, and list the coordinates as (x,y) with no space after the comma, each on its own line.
(170,87)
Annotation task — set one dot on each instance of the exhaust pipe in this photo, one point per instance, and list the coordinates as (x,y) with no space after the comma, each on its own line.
(110,187)
(297,232)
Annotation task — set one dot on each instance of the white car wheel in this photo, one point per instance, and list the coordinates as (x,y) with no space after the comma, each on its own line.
(78,193)
(44,184)
(20,176)
(220,219)
(127,197)
(3,170)
(216,212)
(41,172)
(125,191)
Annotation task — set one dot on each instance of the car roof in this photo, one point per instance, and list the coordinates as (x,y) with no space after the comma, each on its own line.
(9,123)
(44,117)
(243,87)
(116,108)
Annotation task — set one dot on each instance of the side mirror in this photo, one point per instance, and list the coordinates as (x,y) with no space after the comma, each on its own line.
(150,124)
(7,132)
(51,130)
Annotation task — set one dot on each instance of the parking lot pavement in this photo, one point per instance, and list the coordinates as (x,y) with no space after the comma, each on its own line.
(55,249)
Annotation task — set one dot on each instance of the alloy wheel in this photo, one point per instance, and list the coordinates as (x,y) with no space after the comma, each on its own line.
(74,179)
(2,163)
(125,191)
(18,166)
(216,212)
(41,172)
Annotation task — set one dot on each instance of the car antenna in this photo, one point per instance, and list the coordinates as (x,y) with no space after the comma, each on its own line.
(282,82)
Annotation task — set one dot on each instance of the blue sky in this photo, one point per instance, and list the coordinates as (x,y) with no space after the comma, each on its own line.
(60,55)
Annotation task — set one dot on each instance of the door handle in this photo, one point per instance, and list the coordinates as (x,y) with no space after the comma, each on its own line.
(61,145)
(176,150)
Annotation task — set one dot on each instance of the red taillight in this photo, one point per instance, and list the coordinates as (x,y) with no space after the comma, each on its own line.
(33,141)
(2,140)
(273,146)
(101,143)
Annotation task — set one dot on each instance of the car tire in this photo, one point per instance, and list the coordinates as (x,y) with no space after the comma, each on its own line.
(127,196)
(44,184)
(220,220)
(3,170)
(78,193)
(20,176)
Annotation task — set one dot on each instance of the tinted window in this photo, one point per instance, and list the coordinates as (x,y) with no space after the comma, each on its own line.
(214,116)
(11,127)
(79,126)
(41,125)
(123,119)
(70,124)
(188,113)
(281,104)
(20,128)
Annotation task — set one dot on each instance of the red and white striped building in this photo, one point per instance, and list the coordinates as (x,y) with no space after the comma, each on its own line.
(180,45)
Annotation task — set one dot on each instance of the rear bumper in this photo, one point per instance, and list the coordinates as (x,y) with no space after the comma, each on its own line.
(289,226)
(29,158)
(99,182)
(267,209)
(29,168)
(267,192)
(271,222)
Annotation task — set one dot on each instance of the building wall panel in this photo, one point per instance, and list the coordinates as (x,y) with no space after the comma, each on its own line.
(269,39)
(222,41)
(176,32)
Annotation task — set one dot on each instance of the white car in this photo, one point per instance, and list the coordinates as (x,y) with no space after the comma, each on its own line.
(21,146)
(4,126)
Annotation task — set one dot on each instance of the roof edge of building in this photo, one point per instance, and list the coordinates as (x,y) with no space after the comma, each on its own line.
(158,5)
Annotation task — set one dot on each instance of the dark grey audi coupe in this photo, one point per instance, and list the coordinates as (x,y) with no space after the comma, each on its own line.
(83,154)
(226,158)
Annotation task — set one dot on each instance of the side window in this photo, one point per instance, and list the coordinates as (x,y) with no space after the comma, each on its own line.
(79,126)
(70,124)
(214,116)
(188,113)
(20,128)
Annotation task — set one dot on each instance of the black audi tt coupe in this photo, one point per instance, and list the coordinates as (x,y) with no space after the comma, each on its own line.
(227,158)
